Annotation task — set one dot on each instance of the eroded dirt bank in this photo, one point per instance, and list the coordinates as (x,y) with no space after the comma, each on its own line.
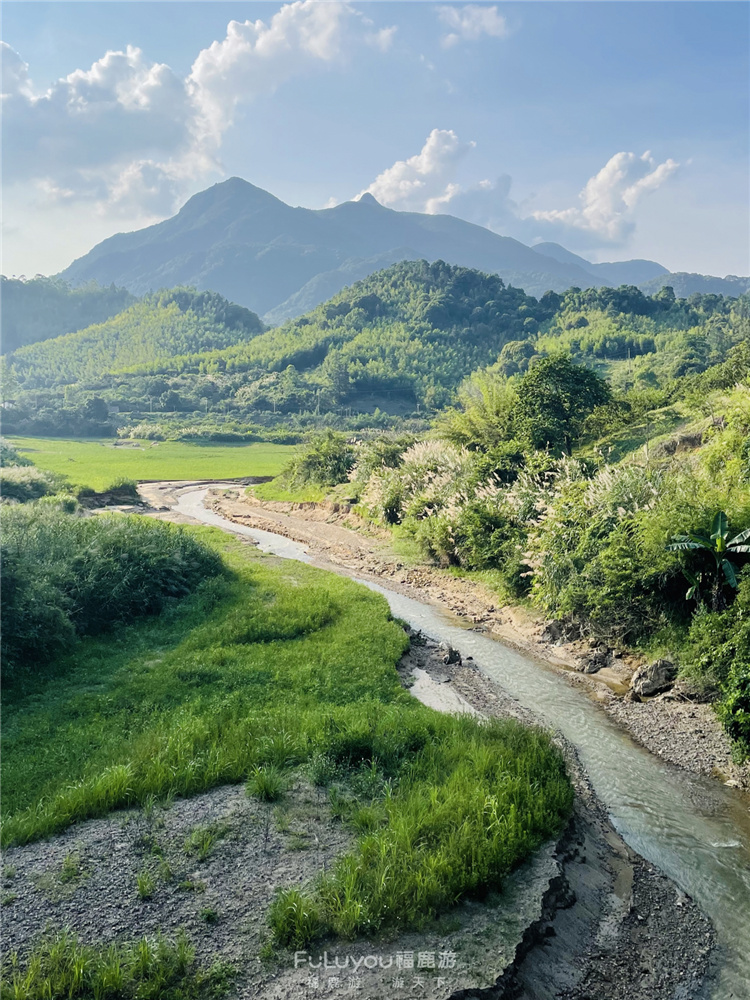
(684,732)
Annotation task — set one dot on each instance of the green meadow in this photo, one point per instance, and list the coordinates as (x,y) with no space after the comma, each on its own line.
(98,464)
(265,673)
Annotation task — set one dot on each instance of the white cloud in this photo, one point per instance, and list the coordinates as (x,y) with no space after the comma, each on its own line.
(382,39)
(15,72)
(131,137)
(469,23)
(255,58)
(423,183)
(609,199)
(426,182)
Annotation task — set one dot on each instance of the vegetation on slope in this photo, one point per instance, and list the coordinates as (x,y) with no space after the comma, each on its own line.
(590,536)
(384,353)
(42,308)
(151,332)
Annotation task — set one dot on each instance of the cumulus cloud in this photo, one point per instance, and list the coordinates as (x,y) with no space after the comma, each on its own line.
(255,58)
(423,183)
(426,182)
(608,200)
(469,23)
(130,136)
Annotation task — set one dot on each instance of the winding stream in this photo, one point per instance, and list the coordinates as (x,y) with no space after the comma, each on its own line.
(694,829)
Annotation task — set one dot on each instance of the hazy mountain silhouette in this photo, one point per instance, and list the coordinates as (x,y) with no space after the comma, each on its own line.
(238,240)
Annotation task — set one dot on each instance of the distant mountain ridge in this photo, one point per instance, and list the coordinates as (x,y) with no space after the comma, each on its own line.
(251,247)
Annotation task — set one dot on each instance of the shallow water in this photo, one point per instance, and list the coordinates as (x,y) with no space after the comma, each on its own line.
(694,829)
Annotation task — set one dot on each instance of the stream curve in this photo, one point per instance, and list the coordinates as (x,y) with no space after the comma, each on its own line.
(694,829)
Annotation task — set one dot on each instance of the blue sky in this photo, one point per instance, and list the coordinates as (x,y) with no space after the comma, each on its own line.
(619,129)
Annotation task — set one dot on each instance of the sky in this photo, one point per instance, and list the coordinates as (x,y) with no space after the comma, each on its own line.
(618,129)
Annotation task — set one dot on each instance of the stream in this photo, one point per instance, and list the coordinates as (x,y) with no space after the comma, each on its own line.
(694,829)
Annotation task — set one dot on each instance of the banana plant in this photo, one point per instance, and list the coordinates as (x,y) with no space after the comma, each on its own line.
(721,547)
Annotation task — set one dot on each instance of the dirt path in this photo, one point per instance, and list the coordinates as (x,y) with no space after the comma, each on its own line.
(685,733)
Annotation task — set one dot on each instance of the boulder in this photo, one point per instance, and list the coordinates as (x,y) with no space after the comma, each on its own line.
(653,678)
(450,655)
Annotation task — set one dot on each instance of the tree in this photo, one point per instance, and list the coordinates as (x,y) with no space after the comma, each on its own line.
(96,409)
(720,546)
(487,403)
(554,398)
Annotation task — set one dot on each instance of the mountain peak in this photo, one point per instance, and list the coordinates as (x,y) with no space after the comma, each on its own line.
(235,191)
(368,199)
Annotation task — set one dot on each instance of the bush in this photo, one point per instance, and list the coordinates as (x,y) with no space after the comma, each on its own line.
(326,461)
(9,455)
(734,709)
(24,483)
(65,575)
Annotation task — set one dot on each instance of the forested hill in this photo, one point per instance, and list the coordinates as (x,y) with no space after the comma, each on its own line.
(396,345)
(414,330)
(42,308)
(149,332)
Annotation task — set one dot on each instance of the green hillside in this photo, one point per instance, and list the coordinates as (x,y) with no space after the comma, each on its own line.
(150,332)
(42,308)
(387,352)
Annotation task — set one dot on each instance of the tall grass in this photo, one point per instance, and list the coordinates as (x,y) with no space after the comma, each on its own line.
(65,575)
(153,968)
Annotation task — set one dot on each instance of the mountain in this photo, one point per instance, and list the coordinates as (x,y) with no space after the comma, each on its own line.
(150,333)
(685,284)
(244,243)
(279,261)
(621,272)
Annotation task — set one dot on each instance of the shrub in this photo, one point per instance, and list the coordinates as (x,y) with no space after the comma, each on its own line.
(734,708)
(65,575)
(24,483)
(9,455)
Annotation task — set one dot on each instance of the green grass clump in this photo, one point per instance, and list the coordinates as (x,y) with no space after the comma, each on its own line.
(71,867)
(202,840)
(266,783)
(294,918)
(145,885)
(157,969)
(98,464)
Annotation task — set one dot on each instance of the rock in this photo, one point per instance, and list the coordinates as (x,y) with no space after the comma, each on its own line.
(552,632)
(653,678)
(450,655)
(594,661)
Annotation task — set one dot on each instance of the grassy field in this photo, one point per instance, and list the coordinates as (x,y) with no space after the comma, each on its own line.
(266,671)
(100,463)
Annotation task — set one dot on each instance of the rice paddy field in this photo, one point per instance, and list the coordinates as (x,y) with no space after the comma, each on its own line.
(99,464)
